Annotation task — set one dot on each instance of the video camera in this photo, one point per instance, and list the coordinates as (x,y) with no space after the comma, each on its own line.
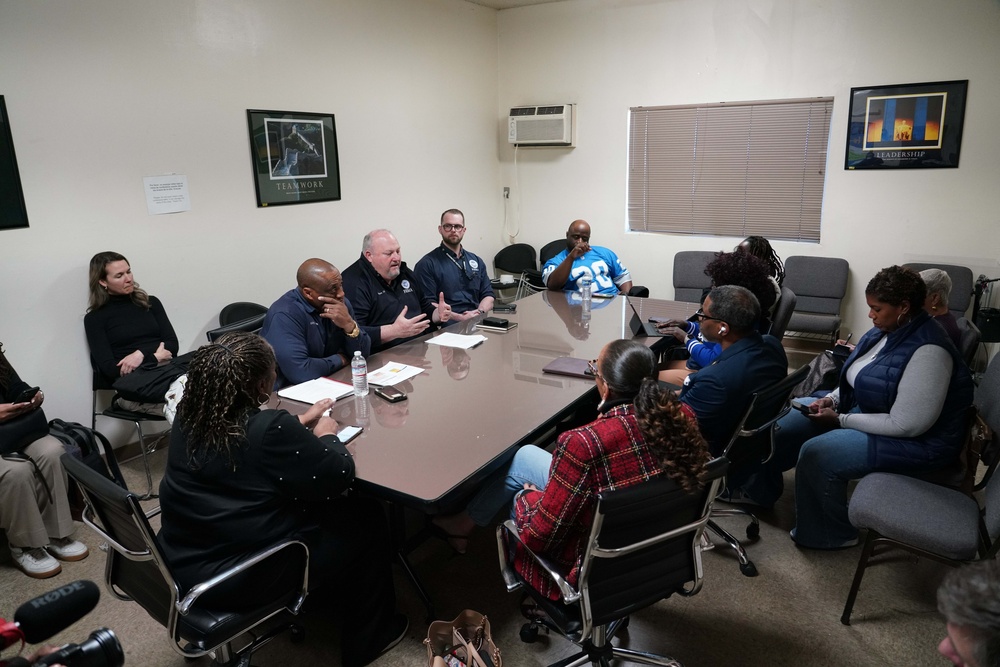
(40,618)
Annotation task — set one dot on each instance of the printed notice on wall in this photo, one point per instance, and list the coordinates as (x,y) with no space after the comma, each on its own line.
(166,194)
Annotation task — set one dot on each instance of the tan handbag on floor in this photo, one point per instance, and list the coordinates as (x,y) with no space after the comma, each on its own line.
(463,642)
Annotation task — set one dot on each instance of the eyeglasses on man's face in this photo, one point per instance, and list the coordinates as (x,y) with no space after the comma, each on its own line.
(452,228)
(702,316)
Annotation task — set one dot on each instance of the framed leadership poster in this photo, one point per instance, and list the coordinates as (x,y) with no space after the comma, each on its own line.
(912,125)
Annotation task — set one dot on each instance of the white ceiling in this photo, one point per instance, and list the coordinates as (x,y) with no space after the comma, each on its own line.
(508,4)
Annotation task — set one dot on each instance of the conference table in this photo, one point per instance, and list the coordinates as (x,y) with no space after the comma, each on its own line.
(468,411)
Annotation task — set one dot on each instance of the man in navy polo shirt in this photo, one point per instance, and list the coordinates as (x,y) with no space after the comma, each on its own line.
(455,272)
(312,328)
(387,298)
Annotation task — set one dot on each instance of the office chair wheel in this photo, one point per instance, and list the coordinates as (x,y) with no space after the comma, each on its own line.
(748,569)
(753,530)
(529,633)
(298,634)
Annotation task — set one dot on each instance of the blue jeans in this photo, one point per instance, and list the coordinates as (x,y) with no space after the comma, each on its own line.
(530,465)
(828,460)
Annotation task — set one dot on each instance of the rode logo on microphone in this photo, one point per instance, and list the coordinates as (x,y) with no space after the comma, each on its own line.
(56,595)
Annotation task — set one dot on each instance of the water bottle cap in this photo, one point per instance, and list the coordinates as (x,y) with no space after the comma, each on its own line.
(357,353)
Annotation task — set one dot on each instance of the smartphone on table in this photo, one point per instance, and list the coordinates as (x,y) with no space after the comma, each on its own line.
(390,394)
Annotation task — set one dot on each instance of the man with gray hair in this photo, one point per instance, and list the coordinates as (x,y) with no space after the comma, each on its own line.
(969,598)
(386,295)
(720,393)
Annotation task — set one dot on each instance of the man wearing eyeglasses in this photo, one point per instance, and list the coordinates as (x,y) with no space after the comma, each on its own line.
(607,273)
(312,328)
(453,271)
(720,393)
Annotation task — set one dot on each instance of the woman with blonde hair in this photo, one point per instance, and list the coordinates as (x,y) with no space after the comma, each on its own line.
(127,329)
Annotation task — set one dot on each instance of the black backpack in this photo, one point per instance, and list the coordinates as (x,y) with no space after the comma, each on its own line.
(88,445)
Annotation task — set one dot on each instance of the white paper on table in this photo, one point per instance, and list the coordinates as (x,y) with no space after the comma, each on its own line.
(462,341)
(392,373)
(316,390)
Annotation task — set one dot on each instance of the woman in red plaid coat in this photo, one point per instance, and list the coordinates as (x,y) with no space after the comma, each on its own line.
(641,432)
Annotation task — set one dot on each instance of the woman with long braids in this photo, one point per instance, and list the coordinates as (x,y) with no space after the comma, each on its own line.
(34,508)
(641,432)
(761,248)
(239,479)
(127,328)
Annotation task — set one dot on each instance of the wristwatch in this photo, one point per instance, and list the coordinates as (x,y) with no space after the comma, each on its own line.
(355,333)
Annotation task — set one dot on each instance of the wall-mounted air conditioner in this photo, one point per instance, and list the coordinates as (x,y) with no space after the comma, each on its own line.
(546,125)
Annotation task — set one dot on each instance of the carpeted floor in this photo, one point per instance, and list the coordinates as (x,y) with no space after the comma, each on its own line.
(789,615)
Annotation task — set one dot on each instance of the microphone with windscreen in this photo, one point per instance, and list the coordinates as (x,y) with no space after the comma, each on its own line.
(51,613)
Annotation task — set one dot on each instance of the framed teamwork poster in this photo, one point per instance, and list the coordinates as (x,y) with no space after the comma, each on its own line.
(912,125)
(294,156)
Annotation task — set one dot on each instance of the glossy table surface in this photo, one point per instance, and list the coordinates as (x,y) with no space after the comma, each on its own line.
(469,410)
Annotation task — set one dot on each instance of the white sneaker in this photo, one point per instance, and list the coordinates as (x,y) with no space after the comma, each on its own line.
(65,548)
(35,563)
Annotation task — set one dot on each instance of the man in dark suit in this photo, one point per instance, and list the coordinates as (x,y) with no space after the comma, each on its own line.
(720,393)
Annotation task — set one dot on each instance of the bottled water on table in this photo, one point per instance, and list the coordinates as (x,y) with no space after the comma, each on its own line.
(359,374)
(586,288)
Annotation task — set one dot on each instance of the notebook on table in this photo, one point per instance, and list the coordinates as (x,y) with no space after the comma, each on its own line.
(571,366)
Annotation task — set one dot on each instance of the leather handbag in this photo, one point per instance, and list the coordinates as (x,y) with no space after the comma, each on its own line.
(18,433)
(463,642)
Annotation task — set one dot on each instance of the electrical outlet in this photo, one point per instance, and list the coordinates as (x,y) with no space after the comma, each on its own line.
(506,193)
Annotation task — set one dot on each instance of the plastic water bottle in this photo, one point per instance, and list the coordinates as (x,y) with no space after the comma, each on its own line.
(362,411)
(586,292)
(359,374)
(586,289)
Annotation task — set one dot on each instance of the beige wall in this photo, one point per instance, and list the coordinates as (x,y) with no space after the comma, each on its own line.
(608,55)
(101,93)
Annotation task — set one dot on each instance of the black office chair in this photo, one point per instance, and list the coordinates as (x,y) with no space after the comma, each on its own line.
(754,440)
(239,311)
(137,571)
(783,313)
(250,324)
(550,250)
(518,260)
(113,411)
(643,547)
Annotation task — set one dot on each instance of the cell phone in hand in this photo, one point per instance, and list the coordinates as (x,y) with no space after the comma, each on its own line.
(390,394)
(804,409)
(26,395)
